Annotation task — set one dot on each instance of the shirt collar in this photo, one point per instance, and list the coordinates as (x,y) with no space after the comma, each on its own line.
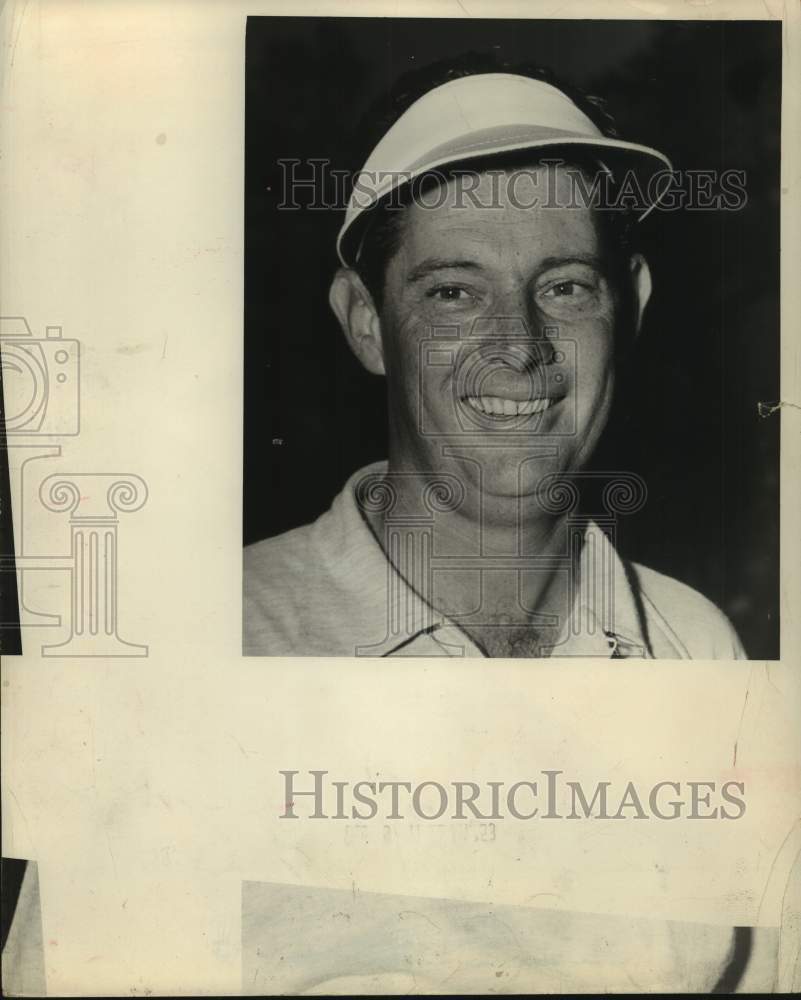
(395,620)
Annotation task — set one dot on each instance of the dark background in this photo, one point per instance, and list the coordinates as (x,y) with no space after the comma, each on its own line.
(708,95)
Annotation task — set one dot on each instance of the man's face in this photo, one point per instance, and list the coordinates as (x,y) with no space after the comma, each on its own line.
(490,288)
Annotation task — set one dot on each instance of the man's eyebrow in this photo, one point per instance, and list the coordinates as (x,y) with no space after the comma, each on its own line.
(431,264)
(590,260)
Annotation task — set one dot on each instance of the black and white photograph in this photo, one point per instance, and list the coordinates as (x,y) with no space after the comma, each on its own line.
(344,348)
(512,338)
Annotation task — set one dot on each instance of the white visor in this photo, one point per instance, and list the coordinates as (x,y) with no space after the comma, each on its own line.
(478,116)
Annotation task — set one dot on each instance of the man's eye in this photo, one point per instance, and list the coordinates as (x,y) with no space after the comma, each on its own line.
(565,288)
(448,293)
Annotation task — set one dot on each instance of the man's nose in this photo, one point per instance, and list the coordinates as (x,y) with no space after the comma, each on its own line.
(520,342)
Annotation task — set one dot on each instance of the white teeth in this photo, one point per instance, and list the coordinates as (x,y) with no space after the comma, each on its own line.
(496,406)
(534,405)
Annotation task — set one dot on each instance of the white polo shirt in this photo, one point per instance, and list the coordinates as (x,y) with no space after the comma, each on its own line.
(328,589)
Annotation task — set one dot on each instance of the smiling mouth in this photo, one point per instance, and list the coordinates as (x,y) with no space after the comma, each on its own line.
(499,406)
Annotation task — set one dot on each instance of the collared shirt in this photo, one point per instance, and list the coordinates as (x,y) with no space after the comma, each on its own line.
(328,589)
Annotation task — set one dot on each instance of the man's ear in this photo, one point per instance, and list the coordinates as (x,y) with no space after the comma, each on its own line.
(641,286)
(354,308)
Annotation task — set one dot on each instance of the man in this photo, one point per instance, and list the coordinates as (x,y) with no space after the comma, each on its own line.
(489,274)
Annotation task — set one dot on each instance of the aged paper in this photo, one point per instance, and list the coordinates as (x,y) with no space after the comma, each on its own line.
(162,786)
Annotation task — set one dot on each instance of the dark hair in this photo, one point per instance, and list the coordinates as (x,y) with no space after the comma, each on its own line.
(381,229)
